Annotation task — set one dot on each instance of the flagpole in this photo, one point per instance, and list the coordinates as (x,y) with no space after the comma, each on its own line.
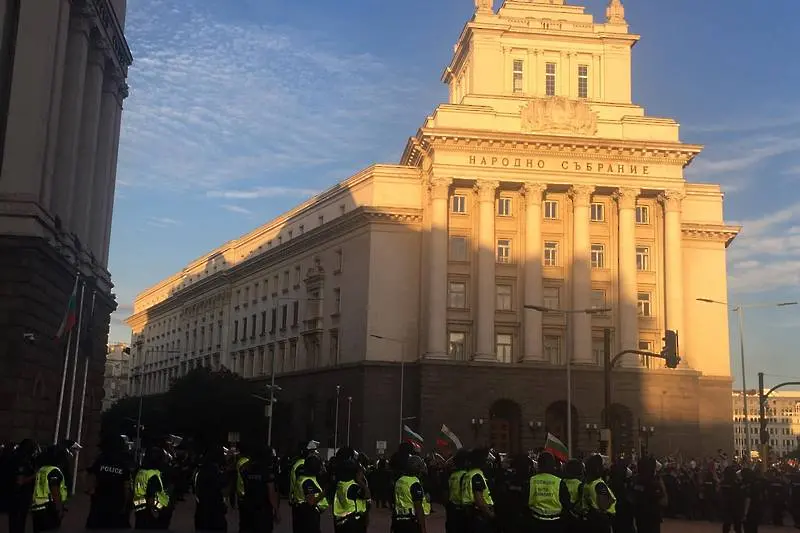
(63,386)
(75,358)
(65,369)
(83,395)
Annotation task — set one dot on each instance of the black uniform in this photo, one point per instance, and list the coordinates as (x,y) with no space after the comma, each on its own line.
(732,504)
(209,491)
(258,476)
(110,503)
(21,470)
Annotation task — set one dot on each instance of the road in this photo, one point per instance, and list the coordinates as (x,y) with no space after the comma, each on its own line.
(379,521)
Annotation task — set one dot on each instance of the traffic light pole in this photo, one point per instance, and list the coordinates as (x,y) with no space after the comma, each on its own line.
(762,414)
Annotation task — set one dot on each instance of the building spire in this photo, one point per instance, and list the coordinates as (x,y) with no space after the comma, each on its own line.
(615,12)
(483,6)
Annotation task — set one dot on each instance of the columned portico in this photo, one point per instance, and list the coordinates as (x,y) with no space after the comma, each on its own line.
(581,274)
(628,315)
(487,192)
(437,256)
(673,253)
(533,270)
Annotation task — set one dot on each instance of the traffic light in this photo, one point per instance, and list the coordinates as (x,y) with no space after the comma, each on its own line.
(670,351)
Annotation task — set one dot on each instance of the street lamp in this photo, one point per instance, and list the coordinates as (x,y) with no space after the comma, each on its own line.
(336,420)
(590,311)
(739,310)
(402,374)
(349,411)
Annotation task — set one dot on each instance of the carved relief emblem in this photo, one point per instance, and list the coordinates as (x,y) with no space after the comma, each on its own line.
(558,115)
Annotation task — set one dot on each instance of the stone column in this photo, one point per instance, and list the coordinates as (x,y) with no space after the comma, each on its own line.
(534,292)
(106,143)
(112,176)
(581,274)
(628,315)
(673,255)
(69,124)
(487,194)
(437,256)
(84,213)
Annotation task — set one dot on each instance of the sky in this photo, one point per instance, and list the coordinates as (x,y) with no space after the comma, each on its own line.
(240,109)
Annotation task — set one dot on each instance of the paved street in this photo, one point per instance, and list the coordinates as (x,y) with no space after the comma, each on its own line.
(183,522)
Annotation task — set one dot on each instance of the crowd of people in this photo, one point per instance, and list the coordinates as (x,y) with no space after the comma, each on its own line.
(481,491)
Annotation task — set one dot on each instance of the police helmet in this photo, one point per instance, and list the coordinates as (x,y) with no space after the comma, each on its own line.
(415,465)
(312,465)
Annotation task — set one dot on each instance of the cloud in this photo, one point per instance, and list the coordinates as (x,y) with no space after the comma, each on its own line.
(261,192)
(766,255)
(237,209)
(162,222)
(744,155)
(216,100)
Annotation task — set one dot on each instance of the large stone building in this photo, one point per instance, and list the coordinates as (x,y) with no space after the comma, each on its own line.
(783,423)
(63,65)
(538,183)
(116,379)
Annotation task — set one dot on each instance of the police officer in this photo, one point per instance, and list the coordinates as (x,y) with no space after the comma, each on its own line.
(295,491)
(314,501)
(209,486)
(49,491)
(649,496)
(411,506)
(150,498)
(574,520)
(110,485)
(260,502)
(243,459)
(476,494)
(598,499)
(548,496)
(732,500)
(23,473)
(351,494)
(454,522)
(754,500)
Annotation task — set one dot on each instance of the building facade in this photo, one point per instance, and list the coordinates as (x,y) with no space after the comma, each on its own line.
(63,65)
(116,378)
(783,423)
(539,183)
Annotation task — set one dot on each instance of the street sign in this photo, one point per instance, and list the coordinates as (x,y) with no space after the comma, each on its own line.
(380,446)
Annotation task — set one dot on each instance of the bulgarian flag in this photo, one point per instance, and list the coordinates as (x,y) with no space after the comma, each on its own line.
(70,316)
(448,439)
(556,447)
(414,438)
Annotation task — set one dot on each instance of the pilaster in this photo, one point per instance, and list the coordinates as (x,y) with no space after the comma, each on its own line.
(487,194)
(581,274)
(439,189)
(673,253)
(627,285)
(534,292)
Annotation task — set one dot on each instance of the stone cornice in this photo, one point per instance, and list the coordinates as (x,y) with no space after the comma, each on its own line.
(361,217)
(108,26)
(518,144)
(710,232)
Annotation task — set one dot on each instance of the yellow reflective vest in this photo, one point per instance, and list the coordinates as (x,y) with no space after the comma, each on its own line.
(543,497)
(295,490)
(454,487)
(41,488)
(321,504)
(404,502)
(140,490)
(590,497)
(576,489)
(344,507)
(467,497)
(239,479)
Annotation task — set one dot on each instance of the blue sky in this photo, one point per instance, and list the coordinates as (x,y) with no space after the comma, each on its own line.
(239,109)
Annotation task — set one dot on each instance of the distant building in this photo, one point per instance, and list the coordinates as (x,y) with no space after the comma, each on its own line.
(783,422)
(538,185)
(115,383)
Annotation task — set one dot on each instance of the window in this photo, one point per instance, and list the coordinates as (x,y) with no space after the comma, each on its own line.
(338,261)
(551,209)
(274,321)
(644,304)
(642,258)
(503,250)
(459,204)
(253,326)
(598,212)
(297,276)
(598,256)
(295,313)
(457,345)
(503,298)
(285,280)
(457,295)
(335,348)
(263,322)
(642,214)
(552,349)
(504,207)
(517,75)
(583,81)
(598,299)
(284,316)
(645,361)
(321,220)
(244,328)
(550,79)
(551,298)
(550,253)
(598,349)
(458,248)
(504,347)
(337,301)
